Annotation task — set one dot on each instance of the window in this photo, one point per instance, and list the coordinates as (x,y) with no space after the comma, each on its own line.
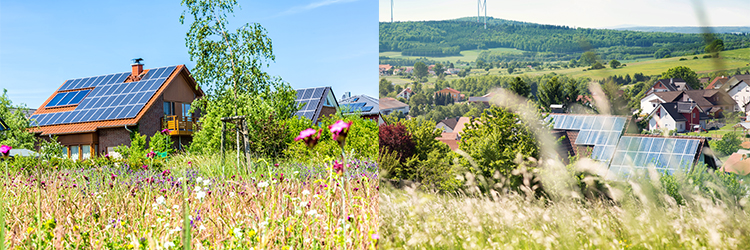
(168,108)
(74,152)
(65,151)
(85,152)
(186,109)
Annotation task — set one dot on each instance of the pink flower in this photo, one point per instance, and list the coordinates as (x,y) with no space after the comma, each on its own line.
(339,130)
(144,167)
(338,167)
(309,136)
(150,154)
(165,131)
(5,150)
(166,173)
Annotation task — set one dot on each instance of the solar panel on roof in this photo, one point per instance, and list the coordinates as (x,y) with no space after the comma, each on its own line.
(94,81)
(667,155)
(312,97)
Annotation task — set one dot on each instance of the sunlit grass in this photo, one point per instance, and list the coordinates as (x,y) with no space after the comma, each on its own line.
(289,206)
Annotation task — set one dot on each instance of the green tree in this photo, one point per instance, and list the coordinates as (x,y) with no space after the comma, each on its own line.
(520,87)
(385,87)
(571,92)
(614,64)
(588,58)
(716,46)
(551,93)
(662,53)
(420,69)
(229,68)
(18,135)
(439,69)
(729,143)
(495,139)
(683,73)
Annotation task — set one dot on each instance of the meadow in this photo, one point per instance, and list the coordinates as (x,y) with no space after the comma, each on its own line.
(643,213)
(729,60)
(189,201)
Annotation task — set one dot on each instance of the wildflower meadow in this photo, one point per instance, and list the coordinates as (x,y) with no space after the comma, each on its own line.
(188,201)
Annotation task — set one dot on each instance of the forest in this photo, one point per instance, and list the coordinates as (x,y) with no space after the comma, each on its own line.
(542,42)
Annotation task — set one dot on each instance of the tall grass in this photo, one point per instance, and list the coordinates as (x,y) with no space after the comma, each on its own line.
(289,206)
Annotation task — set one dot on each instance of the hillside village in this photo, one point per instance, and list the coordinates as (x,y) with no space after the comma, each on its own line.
(668,106)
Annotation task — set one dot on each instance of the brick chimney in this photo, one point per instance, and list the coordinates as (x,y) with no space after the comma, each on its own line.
(137,66)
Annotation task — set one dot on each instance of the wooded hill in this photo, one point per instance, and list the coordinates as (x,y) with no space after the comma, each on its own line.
(541,42)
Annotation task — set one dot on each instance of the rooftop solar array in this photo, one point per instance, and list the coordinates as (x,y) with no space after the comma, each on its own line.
(111,101)
(667,155)
(94,81)
(603,132)
(356,107)
(310,100)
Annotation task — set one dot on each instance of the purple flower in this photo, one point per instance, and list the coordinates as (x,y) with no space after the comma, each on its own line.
(5,150)
(338,167)
(339,130)
(309,136)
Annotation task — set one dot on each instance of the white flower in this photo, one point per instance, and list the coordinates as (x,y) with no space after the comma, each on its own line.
(231,194)
(159,220)
(200,195)
(312,212)
(168,244)
(237,232)
(175,207)
(305,192)
(262,184)
(263,224)
(199,179)
(298,211)
(197,188)
(206,182)
(303,203)
(201,228)
(160,200)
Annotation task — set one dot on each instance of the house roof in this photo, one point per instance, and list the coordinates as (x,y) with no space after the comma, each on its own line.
(450,122)
(669,96)
(104,101)
(391,103)
(671,108)
(673,84)
(448,89)
(717,82)
(365,104)
(312,100)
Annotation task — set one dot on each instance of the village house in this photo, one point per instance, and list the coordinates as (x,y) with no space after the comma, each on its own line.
(740,92)
(406,93)
(718,82)
(455,94)
(711,101)
(365,106)
(389,105)
(679,116)
(452,137)
(316,103)
(667,85)
(95,114)
(384,68)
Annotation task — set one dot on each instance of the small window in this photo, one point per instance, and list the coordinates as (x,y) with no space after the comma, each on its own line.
(186,109)
(168,108)
(65,151)
(74,152)
(86,151)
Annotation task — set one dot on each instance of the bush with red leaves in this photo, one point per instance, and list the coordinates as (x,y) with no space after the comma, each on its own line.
(396,138)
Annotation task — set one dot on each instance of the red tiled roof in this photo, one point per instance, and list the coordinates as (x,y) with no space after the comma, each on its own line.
(94,125)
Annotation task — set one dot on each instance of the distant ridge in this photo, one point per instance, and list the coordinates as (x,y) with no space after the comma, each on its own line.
(688,29)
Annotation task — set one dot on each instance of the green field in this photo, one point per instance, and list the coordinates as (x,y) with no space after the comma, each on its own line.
(729,60)
(466,55)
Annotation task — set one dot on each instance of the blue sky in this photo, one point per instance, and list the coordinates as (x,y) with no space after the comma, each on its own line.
(578,13)
(316,42)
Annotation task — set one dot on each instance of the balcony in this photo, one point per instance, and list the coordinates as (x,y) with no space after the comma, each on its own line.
(179,125)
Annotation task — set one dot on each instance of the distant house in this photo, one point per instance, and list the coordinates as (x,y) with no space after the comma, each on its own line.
(718,82)
(711,101)
(481,99)
(679,116)
(454,137)
(667,85)
(406,93)
(366,106)
(315,103)
(447,125)
(95,114)
(452,71)
(704,80)
(383,69)
(389,105)
(455,94)
(734,80)
(740,92)
(738,163)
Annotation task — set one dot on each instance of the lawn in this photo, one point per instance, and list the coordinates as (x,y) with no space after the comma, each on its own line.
(102,204)
(466,55)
